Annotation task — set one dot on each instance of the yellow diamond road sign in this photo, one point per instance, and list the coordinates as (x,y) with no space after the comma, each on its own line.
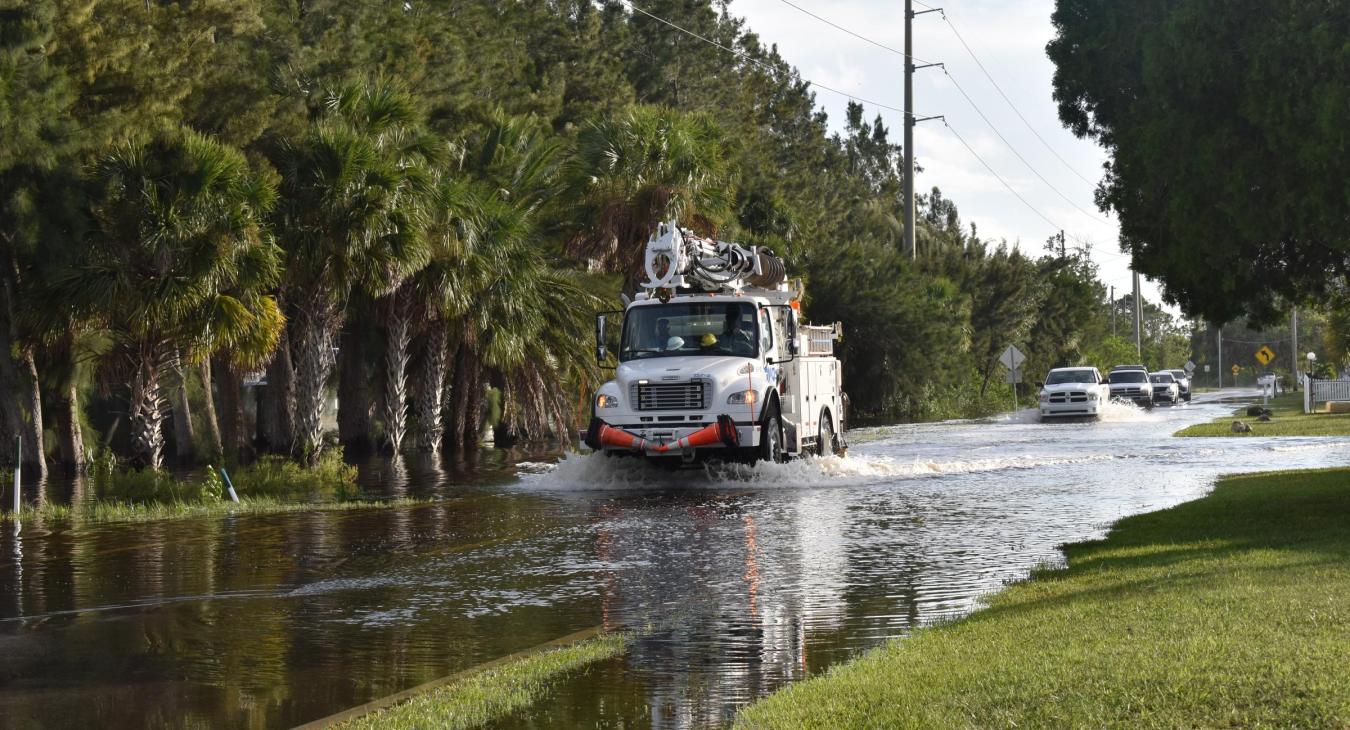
(1237,369)
(1265,354)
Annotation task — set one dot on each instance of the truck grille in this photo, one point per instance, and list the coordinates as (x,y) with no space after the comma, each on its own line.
(1072,396)
(1128,392)
(670,396)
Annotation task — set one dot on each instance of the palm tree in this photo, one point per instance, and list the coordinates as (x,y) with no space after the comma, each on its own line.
(349,217)
(526,328)
(178,260)
(633,171)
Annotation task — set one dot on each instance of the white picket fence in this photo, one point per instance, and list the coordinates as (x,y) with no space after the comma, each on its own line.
(1317,392)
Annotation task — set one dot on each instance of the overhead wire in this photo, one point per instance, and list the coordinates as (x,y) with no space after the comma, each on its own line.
(999,177)
(968,99)
(750,59)
(746,57)
(1009,101)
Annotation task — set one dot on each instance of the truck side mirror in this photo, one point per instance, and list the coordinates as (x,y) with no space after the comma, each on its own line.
(601,352)
(792,332)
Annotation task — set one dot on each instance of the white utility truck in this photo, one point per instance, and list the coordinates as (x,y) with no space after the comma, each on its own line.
(713,362)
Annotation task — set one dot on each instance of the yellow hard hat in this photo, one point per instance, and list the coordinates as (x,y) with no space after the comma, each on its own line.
(707,340)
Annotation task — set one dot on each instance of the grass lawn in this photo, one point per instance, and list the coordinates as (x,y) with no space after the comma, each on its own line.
(1229,611)
(94,512)
(480,697)
(270,485)
(1287,419)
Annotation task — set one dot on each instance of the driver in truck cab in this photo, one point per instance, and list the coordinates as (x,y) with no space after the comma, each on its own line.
(736,340)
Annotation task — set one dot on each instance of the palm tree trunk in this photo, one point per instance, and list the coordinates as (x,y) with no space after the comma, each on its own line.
(182,415)
(34,451)
(278,399)
(314,363)
(146,413)
(69,437)
(473,413)
(431,390)
(11,412)
(231,411)
(467,406)
(397,336)
(209,406)
(355,405)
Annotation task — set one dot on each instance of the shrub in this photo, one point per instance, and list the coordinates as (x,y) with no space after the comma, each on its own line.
(282,478)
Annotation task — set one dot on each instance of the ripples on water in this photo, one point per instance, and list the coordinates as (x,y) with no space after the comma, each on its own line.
(741,578)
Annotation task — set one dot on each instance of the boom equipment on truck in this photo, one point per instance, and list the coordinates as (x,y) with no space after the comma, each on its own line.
(713,362)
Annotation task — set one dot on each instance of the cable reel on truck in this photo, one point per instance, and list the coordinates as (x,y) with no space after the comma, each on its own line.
(677,258)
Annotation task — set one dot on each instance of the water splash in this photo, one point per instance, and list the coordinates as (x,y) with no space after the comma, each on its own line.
(596,472)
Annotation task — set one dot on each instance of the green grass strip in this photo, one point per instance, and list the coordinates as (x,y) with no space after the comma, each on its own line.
(1229,611)
(1287,419)
(101,512)
(482,695)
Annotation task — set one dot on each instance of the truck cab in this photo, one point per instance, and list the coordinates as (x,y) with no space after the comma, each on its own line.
(716,370)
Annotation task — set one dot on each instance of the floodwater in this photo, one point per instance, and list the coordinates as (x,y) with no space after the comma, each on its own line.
(737,581)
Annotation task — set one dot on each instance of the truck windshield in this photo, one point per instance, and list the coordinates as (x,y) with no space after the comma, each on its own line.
(1129,376)
(692,328)
(1056,377)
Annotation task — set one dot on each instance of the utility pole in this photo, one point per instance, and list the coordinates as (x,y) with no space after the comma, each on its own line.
(1138,319)
(1113,310)
(909,131)
(910,121)
(1220,357)
(1293,351)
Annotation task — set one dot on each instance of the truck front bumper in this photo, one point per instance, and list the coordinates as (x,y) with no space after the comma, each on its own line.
(1067,410)
(670,440)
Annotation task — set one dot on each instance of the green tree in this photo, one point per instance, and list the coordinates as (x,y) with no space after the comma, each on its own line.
(349,217)
(177,261)
(1225,123)
(631,172)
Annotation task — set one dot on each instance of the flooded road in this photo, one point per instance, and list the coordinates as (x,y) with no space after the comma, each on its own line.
(739,580)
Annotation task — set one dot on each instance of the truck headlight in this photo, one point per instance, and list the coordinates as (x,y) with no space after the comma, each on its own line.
(604,400)
(745,398)
(1045,396)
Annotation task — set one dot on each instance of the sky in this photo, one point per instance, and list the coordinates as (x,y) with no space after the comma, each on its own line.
(1009,38)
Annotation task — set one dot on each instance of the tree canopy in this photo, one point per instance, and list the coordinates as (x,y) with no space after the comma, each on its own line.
(1230,152)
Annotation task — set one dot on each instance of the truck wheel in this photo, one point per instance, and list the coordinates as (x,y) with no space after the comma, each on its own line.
(829,442)
(771,439)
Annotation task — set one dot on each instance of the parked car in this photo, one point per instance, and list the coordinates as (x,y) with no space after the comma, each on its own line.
(1183,383)
(1073,392)
(1132,386)
(1164,387)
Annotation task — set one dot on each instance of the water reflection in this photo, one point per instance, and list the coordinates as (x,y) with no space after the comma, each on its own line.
(738,581)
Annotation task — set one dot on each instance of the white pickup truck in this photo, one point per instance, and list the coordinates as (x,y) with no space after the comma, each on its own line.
(713,362)
(1073,392)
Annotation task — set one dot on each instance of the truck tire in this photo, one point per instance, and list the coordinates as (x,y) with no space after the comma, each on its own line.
(828,443)
(771,438)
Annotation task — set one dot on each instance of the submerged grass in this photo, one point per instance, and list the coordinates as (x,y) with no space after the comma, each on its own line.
(1229,611)
(492,693)
(1287,419)
(271,485)
(92,512)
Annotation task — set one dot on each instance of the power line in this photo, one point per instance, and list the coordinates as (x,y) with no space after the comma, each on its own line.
(864,38)
(999,177)
(746,57)
(1009,145)
(969,100)
(1011,105)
